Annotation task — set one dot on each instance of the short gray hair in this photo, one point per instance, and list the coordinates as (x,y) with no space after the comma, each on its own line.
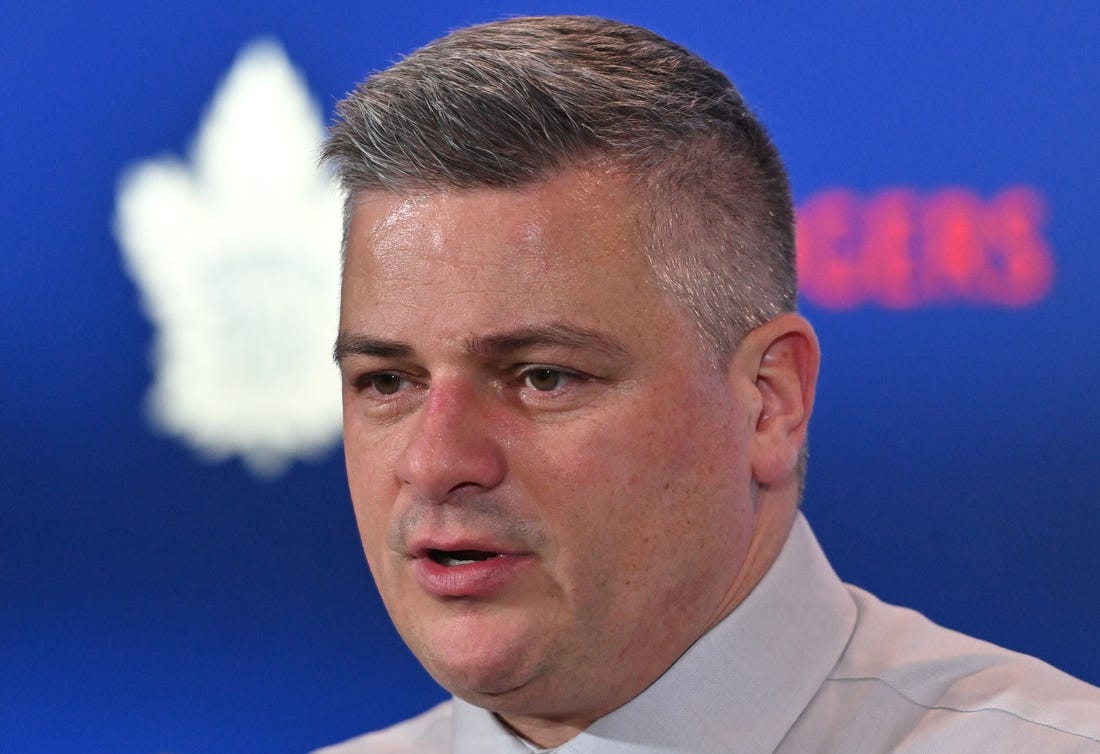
(507,104)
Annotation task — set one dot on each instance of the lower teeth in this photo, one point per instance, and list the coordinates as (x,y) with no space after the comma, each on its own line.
(460,557)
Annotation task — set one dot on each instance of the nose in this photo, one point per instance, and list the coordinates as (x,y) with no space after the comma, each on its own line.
(452,444)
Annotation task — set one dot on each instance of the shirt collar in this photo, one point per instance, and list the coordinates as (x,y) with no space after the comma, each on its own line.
(738,689)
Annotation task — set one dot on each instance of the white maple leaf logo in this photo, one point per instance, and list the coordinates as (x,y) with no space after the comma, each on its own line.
(237,259)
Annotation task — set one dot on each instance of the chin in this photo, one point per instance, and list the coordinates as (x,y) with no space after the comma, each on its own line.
(479,662)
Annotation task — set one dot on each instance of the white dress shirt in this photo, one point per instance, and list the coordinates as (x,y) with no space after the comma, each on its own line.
(807,664)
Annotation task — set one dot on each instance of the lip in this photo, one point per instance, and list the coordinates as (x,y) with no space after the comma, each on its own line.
(480,579)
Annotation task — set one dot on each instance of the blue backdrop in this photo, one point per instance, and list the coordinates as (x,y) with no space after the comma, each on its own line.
(156,601)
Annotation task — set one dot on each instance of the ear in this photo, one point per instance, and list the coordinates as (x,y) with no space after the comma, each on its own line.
(781,359)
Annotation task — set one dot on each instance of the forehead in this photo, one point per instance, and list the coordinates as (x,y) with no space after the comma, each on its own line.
(568,207)
(568,244)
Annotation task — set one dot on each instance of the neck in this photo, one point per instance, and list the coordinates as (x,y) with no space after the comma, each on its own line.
(774,517)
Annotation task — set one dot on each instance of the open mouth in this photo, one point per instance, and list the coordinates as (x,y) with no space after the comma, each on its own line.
(460,557)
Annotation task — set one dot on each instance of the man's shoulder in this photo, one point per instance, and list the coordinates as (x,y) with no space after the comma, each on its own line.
(427,733)
(950,687)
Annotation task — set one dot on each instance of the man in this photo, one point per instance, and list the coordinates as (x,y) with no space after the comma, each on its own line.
(576,395)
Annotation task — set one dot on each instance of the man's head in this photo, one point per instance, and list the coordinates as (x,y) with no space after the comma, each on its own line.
(507,104)
(573,405)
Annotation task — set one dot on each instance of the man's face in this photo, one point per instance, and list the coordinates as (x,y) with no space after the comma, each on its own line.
(551,484)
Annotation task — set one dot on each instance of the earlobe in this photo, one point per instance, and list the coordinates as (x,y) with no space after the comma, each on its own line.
(785,355)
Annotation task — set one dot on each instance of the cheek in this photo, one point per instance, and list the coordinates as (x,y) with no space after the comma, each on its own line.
(687,455)
(650,494)
(622,489)
(373,486)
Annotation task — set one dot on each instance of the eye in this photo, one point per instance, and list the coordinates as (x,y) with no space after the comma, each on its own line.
(383,383)
(545,379)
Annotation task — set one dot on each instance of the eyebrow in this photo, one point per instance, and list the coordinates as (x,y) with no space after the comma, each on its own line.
(557,334)
(364,345)
(500,344)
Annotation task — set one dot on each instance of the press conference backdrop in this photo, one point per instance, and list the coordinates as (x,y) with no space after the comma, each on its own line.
(180,566)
